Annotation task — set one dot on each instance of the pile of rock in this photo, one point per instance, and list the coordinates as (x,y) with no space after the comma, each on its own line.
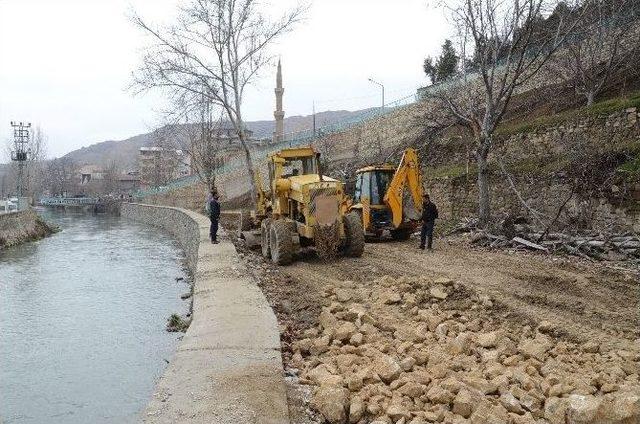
(417,351)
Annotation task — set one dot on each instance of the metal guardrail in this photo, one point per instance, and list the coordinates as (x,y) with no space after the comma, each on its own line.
(68,201)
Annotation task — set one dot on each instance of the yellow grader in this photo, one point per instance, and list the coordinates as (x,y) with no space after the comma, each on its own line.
(302,208)
(389,197)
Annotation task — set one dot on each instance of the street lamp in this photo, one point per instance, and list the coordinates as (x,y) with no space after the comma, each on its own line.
(381,86)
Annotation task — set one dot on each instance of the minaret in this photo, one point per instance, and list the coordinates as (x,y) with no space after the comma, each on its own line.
(278,134)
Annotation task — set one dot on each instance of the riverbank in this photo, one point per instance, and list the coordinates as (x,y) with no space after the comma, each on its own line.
(228,366)
(21,227)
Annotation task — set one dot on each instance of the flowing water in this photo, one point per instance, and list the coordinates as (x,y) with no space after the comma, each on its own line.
(82,320)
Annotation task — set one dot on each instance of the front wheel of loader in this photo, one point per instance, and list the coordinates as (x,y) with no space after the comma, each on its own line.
(354,245)
(281,243)
(264,238)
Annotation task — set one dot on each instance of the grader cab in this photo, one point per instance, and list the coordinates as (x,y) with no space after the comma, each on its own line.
(303,208)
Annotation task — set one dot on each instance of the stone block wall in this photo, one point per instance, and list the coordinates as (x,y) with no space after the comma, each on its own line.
(545,191)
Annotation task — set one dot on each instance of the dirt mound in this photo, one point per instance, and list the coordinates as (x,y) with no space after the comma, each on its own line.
(416,349)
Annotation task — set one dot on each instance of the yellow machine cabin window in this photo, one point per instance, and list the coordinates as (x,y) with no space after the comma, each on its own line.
(358,192)
(380,181)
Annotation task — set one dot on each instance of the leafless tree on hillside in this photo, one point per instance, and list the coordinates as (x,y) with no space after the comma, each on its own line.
(509,49)
(206,140)
(603,42)
(214,50)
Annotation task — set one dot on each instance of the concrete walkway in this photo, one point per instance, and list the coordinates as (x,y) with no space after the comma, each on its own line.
(228,367)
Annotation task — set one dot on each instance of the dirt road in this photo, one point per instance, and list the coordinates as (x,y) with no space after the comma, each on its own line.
(573,300)
(586,301)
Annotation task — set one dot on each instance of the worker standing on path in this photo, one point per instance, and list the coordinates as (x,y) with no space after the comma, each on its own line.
(214,215)
(429,216)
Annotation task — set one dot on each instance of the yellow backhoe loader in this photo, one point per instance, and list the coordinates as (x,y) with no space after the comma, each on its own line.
(302,208)
(389,198)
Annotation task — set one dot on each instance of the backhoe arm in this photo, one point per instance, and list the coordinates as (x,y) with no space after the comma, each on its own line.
(407,176)
(261,198)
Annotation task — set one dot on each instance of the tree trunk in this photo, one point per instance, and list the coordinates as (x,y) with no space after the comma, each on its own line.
(249,166)
(590,97)
(484,203)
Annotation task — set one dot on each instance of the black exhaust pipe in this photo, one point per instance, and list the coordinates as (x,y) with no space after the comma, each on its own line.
(319,166)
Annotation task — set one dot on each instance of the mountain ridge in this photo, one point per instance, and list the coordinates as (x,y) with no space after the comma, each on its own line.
(125,152)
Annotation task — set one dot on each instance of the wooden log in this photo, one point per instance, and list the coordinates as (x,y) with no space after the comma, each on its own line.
(530,244)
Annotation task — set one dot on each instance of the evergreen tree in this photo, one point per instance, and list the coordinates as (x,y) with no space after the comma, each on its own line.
(446,65)
(430,69)
(447,62)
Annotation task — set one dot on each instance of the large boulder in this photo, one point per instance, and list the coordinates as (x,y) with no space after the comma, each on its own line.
(466,402)
(387,368)
(583,409)
(327,320)
(488,340)
(332,402)
(323,375)
(535,348)
(437,394)
(344,330)
(356,409)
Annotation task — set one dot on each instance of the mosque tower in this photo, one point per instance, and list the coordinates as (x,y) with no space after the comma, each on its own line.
(278,134)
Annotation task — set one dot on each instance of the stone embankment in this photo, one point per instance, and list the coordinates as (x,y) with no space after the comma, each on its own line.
(228,366)
(22,226)
(419,350)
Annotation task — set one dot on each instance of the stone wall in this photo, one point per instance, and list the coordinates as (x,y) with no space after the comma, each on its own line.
(373,138)
(20,227)
(530,158)
(228,366)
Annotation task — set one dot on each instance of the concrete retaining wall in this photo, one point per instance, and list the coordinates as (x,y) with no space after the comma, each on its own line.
(22,226)
(228,367)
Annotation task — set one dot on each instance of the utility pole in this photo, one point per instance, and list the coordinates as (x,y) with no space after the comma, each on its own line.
(21,152)
(381,86)
(314,119)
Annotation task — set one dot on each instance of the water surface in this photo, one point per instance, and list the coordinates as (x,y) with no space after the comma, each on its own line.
(82,316)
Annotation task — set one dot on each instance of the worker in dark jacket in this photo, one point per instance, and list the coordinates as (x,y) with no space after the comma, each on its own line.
(429,215)
(214,215)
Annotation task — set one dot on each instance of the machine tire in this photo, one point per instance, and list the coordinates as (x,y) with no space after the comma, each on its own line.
(401,235)
(354,245)
(281,243)
(265,244)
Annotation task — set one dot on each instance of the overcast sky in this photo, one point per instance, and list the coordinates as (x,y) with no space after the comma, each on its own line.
(66,64)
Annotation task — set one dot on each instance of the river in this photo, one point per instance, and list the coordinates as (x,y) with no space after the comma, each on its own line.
(82,320)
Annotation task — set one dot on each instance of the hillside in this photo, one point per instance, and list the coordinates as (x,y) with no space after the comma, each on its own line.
(124,152)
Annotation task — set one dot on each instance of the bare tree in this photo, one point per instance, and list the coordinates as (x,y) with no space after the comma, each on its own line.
(214,50)
(111,176)
(509,48)
(603,42)
(205,144)
(59,176)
